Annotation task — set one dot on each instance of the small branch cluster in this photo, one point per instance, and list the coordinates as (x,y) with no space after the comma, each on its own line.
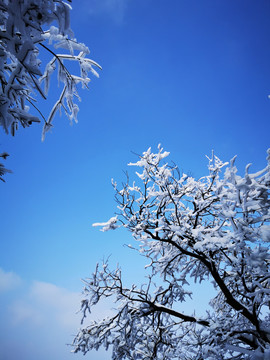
(22,36)
(213,229)
(3,170)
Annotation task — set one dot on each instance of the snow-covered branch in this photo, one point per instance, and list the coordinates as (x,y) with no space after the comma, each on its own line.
(24,34)
(213,229)
(3,170)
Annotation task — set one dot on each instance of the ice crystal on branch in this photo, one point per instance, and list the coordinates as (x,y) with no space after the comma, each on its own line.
(28,27)
(215,229)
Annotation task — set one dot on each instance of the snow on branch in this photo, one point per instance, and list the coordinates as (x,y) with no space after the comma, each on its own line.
(215,229)
(3,170)
(24,35)
(109,225)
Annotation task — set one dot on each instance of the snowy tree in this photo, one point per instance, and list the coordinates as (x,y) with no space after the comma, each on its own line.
(29,28)
(215,229)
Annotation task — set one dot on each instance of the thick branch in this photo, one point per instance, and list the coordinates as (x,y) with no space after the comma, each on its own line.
(213,271)
(160,308)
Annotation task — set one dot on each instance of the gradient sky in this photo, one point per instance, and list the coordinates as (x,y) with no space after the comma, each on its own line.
(193,75)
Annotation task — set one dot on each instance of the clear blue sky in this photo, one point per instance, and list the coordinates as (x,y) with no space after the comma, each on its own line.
(193,75)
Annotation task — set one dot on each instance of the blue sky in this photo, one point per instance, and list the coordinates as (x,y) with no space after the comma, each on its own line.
(192,75)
